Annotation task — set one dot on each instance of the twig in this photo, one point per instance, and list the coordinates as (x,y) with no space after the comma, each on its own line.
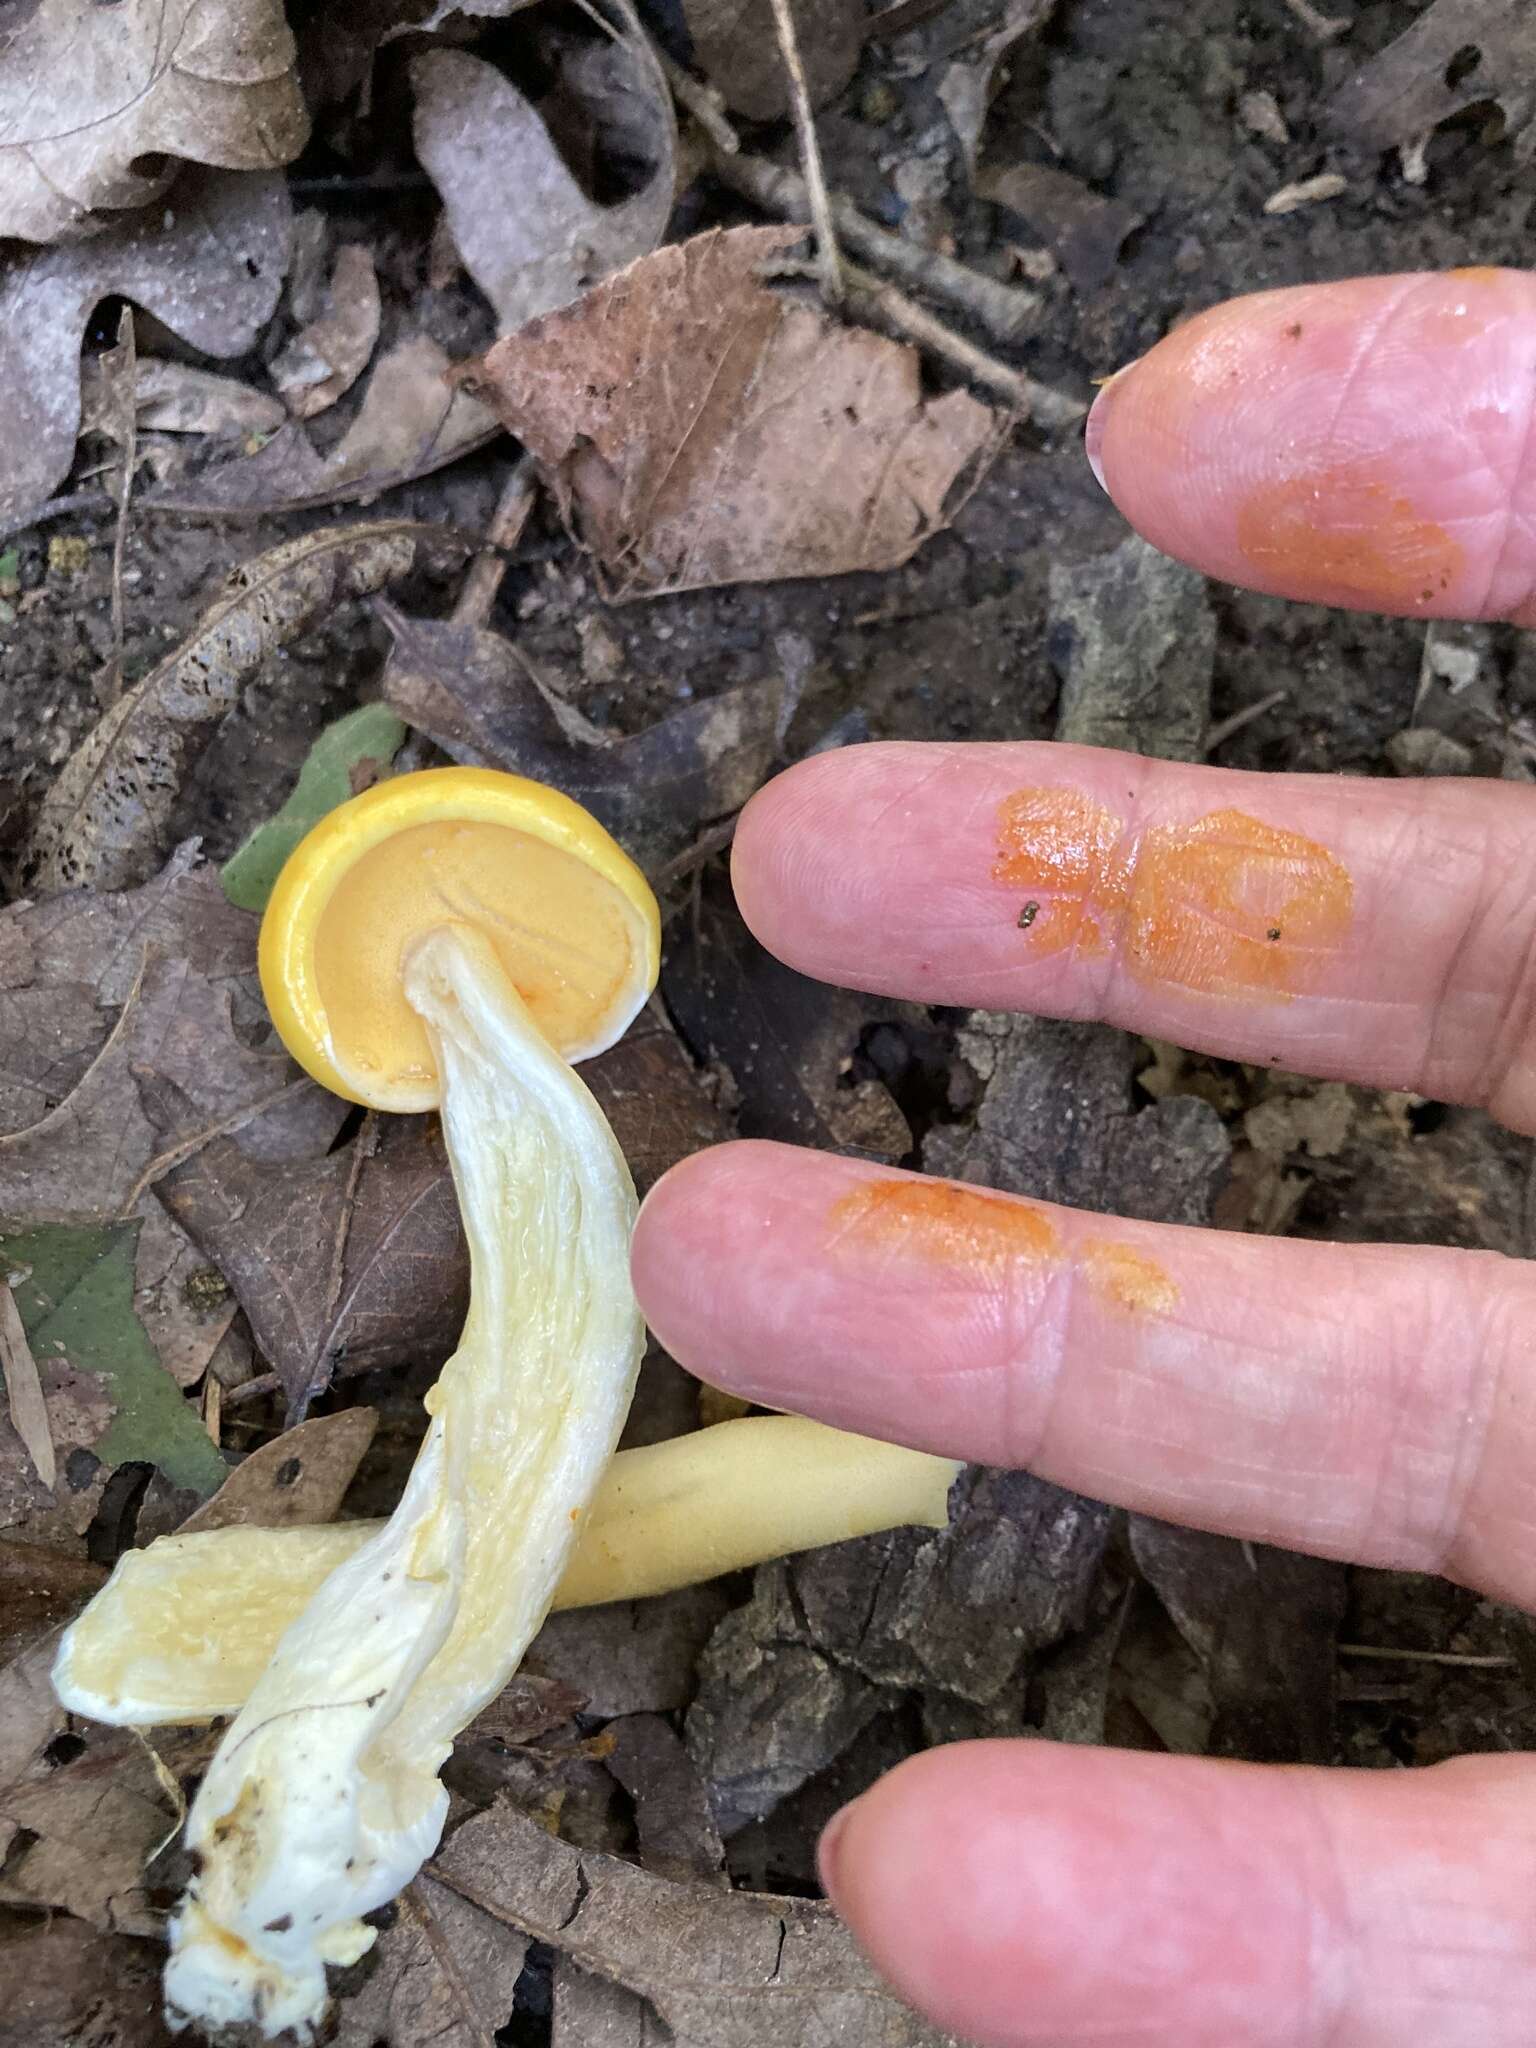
(704,848)
(24,1390)
(1324,26)
(828,255)
(883,304)
(1450,1658)
(477,595)
(700,100)
(1004,310)
(1225,728)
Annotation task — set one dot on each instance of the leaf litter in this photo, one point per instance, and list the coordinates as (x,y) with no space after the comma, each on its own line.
(91,96)
(794,447)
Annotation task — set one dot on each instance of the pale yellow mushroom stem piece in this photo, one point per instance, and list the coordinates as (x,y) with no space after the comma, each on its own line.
(184,1628)
(323,1799)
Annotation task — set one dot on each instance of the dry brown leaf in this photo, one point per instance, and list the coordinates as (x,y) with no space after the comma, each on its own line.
(300,1477)
(677,1831)
(968,82)
(527,233)
(326,357)
(358,1256)
(40,1589)
(792,447)
(444,1973)
(1083,228)
(63,1985)
(210,266)
(1455,55)
(106,819)
(89,94)
(723,1969)
(465,687)
(411,421)
(176,398)
(736,46)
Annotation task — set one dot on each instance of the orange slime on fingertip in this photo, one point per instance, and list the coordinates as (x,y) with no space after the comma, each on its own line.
(1225,906)
(1339,534)
(1127,1278)
(932,1218)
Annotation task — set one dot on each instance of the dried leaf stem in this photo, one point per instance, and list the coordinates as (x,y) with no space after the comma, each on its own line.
(828,255)
(1005,311)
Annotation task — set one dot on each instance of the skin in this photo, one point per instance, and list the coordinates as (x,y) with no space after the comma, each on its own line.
(1370,443)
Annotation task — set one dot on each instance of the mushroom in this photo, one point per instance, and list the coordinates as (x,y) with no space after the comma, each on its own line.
(449,939)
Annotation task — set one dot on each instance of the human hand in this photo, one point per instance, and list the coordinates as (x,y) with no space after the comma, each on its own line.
(1369,444)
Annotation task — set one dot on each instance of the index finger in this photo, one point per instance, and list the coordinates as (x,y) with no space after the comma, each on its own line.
(1369,444)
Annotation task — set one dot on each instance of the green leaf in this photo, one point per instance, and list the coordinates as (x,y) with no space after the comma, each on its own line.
(347,757)
(74,1287)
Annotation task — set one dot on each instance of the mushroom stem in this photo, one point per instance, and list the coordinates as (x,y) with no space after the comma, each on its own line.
(324,1799)
(185,1627)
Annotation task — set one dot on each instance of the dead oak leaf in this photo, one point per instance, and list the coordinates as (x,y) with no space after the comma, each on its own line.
(1457,54)
(210,266)
(64,1985)
(89,93)
(723,1969)
(444,1972)
(697,428)
(528,234)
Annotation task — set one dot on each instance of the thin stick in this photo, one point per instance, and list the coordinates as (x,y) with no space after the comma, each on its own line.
(700,100)
(828,255)
(1381,1655)
(1324,26)
(1224,729)
(1006,311)
(94,502)
(885,306)
(704,848)
(477,596)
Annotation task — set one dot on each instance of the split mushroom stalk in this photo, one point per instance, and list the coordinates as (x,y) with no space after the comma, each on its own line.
(451,938)
(389,956)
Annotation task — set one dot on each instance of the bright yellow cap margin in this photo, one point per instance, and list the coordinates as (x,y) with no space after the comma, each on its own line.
(571,917)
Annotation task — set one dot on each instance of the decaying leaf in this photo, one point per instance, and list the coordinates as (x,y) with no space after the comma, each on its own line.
(90,95)
(736,46)
(24,1399)
(63,1985)
(527,233)
(1083,228)
(653,1096)
(466,689)
(40,1589)
(444,1973)
(788,1042)
(300,1477)
(74,1288)
(969,80)
(356,1256)
(348,757)
(793,447)
(678,1836)
(1457,54)
(411,422)
(106,819)
(722,1969)
(177,398)
(210,265)
(1264,1624)
(326,357)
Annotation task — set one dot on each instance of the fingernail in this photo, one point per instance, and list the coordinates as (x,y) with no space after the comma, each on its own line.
(1098,419)
(1093,438)
(829,1848)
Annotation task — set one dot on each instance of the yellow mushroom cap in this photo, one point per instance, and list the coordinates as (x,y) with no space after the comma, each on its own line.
(569,915)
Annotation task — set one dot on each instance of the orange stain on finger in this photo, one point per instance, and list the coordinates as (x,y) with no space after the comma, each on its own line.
(1339,534)
(1230,906)
(1224,906)
(1066,847)
(1127,1278)
(934,1219)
